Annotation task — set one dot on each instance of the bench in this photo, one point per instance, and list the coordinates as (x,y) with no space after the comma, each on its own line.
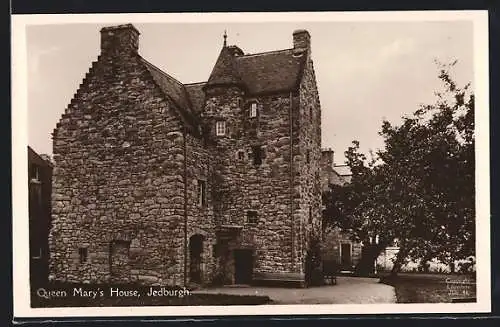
(279,279)
(330,279)
(330,272)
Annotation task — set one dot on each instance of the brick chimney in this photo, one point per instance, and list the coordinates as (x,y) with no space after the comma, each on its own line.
(301,41)
(327,157)
(120,39)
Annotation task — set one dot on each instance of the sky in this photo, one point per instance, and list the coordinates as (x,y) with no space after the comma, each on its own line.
(366,71)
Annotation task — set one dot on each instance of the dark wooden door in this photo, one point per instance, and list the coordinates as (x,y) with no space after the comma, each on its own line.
(345,256)
(195,253)
(243,266)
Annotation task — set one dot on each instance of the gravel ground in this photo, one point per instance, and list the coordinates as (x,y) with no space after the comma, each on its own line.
(349,290)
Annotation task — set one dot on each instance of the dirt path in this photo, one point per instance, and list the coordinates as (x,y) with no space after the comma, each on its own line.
(349,290)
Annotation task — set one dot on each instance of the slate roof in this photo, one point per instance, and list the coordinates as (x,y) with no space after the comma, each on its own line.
(225,70)
(342,170)
(274,71)
(196,95)
(336,178)
(174,90)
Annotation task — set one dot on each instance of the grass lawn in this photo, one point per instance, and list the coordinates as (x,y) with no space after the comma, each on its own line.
(64,295)
(431,288)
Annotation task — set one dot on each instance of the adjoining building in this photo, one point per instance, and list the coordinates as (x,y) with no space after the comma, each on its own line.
(338,247)
(39,190)
(160,182)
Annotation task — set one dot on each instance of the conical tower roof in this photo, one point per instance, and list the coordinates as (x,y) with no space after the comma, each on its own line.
(225,71)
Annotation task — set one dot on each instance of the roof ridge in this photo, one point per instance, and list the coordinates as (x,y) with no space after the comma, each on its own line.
(162,71)
(263,53)
(194,83)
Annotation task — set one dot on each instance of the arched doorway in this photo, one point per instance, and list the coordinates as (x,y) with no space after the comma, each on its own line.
(195,254)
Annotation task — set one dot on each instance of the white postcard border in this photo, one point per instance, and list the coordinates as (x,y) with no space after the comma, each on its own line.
(21,287)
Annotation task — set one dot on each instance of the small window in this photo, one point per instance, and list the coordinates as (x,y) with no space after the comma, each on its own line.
(220,128)
(310,112)
(37,254)
(257,153)
(34,173)
(83,254)
(240,103)
(252,217)
(241,155)
(253,110)
(308,156)
(202,197)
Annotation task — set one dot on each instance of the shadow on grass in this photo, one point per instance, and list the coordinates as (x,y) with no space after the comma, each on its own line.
(429,288)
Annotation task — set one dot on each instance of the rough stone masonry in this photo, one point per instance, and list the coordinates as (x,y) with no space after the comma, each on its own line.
(163,183)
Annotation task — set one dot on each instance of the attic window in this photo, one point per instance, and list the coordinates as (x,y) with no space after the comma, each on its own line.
(253,110)
(220,128)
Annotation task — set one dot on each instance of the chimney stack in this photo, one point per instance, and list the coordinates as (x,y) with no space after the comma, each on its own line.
(120,39)
(327,157)
(301,41)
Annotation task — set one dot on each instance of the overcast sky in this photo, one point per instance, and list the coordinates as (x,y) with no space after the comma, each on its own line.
(366,71)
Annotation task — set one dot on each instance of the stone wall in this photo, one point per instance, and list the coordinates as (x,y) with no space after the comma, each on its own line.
(244,186)
(118,154)
(200,215)
(308,162)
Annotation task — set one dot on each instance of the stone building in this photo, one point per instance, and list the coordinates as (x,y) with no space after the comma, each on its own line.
(329,173)
(337,245)
(160,182)
(39,208)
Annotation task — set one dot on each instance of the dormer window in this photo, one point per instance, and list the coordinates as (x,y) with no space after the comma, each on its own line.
(253,110)
(220,128)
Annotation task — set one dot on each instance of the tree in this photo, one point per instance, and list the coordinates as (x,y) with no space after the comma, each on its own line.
(420,188)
